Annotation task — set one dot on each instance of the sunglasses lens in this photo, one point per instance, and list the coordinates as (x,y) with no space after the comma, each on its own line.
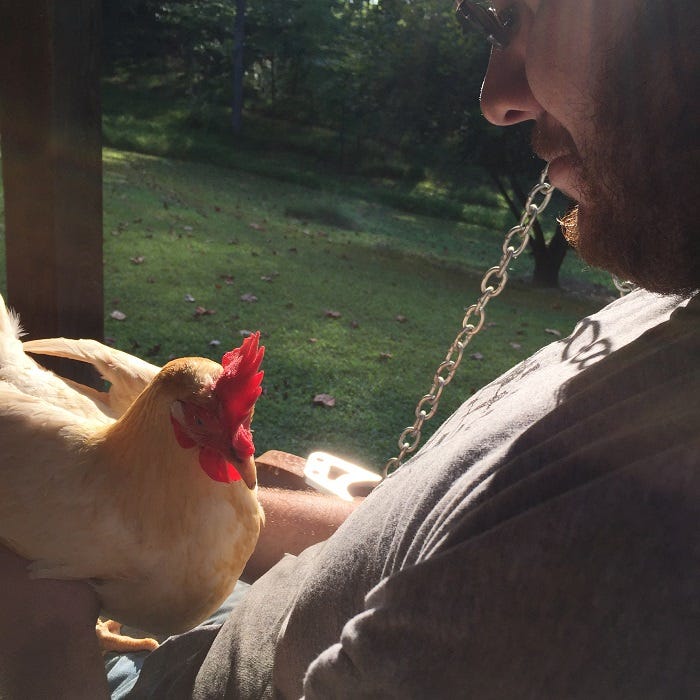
(484,20)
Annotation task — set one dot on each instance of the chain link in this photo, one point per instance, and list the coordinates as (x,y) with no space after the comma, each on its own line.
(492,284)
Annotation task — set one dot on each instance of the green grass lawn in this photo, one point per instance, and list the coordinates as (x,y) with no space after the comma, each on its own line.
(353,298)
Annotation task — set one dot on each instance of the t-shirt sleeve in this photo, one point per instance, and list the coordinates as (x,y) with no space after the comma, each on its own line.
(576,598)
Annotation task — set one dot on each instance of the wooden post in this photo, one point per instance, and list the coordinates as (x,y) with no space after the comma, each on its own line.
(50,125)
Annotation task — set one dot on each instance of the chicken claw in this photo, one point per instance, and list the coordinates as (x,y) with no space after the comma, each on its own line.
(109,638)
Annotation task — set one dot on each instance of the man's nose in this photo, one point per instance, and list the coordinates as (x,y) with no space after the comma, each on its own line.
(506,97)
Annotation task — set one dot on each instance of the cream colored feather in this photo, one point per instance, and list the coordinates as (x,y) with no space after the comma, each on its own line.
(127,375)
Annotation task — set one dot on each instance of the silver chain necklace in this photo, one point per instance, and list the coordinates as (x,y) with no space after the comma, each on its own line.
(492,284)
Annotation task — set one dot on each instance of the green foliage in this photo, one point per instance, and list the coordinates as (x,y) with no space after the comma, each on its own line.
(145,114)
(386,71)
(380,88)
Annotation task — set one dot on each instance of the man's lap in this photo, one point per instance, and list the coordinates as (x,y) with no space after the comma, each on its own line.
(123,669)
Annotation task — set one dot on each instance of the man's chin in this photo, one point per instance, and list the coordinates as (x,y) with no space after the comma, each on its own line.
(630,249)
(589,234)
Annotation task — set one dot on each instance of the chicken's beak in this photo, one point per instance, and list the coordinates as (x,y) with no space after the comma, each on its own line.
(246,468)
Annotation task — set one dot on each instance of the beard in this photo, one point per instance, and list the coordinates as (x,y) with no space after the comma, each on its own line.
(640,176)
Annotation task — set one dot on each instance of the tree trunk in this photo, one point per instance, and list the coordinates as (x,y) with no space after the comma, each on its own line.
(548,257)
(548,260)
(238,42)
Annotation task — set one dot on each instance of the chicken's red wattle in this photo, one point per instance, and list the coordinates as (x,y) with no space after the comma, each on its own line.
(217,467)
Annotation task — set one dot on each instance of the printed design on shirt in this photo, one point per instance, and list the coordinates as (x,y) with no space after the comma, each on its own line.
(484,401)
(584,347)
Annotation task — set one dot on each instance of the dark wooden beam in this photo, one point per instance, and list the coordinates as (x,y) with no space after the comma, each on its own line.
(50,125)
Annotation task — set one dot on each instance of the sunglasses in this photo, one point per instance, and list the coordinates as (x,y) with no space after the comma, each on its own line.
(497,29)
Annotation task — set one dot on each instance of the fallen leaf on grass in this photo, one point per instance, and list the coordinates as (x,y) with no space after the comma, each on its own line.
(137,260)
(214,343)
(117,315)
(324,400)
(227,278)
(477,356)
(553,331)
(516,346)
(249,298)
(401,318)
(189,297)
(328,313)
(383,356)
(202,311)
(256,227)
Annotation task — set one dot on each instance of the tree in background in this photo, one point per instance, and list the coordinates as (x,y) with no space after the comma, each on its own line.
(391,74)
(238,67)
(506,155)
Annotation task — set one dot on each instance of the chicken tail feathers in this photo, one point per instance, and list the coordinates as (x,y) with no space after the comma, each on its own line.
(127,375)
(9,322)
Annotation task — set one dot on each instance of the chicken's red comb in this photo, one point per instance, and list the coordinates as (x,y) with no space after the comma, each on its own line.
(238,386)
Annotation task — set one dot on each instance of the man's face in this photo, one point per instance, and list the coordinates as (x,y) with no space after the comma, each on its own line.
(577,69)
(549,74)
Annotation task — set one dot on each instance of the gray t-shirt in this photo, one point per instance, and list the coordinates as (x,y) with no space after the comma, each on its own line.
(543,544)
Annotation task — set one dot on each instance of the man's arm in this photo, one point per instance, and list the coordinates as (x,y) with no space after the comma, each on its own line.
(294,520)
(48,647)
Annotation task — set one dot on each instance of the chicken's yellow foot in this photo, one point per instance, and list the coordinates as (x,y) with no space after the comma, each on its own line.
(109,638)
